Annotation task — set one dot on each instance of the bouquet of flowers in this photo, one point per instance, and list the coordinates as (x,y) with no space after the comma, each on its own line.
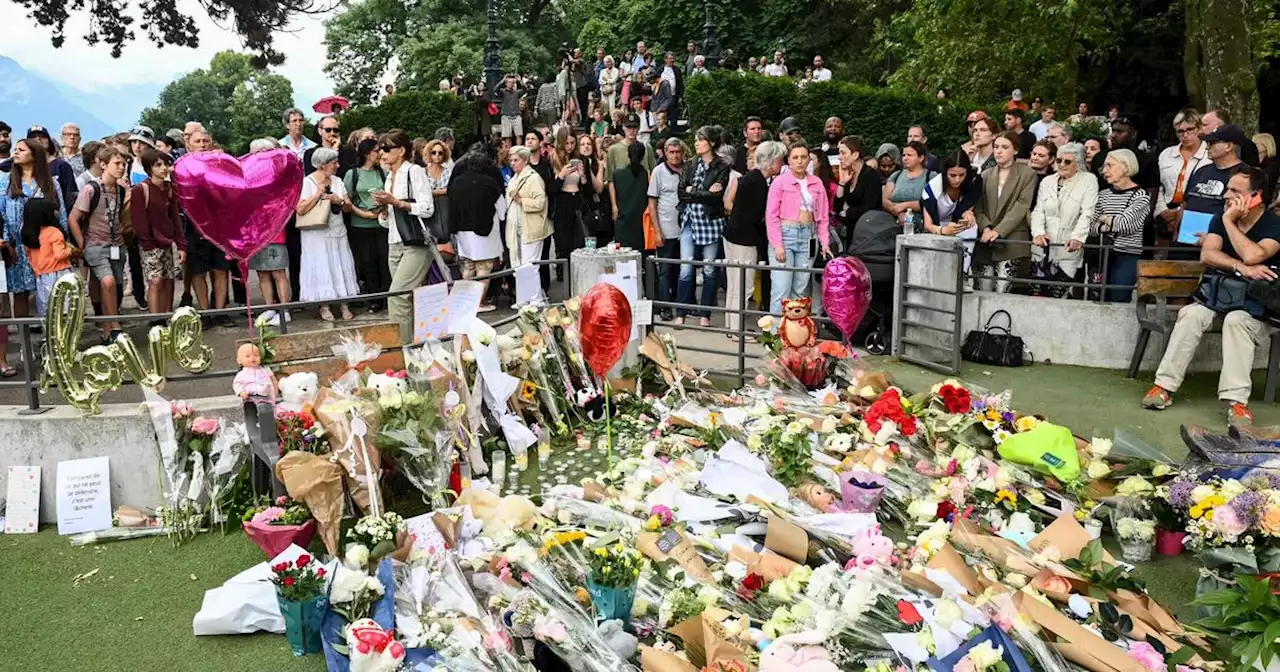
(274,528)
(186,443)
(373,537)
(298,580)
(412,433)
(298,430)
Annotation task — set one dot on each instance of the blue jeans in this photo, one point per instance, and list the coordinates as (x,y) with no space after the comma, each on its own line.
(1122,269)
(686,288)
(669,249)
(790,284)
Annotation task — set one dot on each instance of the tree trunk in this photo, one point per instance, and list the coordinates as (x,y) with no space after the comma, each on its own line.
(1219,66)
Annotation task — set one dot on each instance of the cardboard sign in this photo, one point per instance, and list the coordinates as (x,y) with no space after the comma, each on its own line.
(682,552)
(1067,536)
(768,564)
(653,660)
(948,560)
(22,509)
(787,539)
(706,641)
(84,495)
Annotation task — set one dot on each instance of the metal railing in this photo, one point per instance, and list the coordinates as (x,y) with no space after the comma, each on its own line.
(1095,291)
(28,327)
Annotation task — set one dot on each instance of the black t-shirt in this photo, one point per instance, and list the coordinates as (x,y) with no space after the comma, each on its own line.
(1206,190)
(1267,226)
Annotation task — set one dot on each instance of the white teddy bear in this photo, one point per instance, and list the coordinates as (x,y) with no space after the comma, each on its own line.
(387,385)
(298,390)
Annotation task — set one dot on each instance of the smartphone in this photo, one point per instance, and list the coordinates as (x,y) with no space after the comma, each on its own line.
(1253,202)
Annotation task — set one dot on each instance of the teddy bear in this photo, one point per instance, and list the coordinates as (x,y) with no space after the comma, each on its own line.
(797,329)
(373,649)
(298,391)
(388,384)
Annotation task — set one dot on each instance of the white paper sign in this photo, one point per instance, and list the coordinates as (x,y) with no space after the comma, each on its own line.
(430,312)
(627,285)
(426,536)
(84,495)
(528,284)
(22,510)
(642,313)
(464,301)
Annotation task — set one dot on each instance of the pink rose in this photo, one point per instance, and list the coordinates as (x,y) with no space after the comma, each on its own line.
(180,409)
(1055,584)
(268,515)
(1228,522)
(1147,656)
(549,630)
(203,425)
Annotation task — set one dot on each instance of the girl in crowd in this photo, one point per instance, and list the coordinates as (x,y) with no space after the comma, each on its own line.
(983,136)
(628,198)
(904,188)
(570,180)
(368,238)
(1001,214)
(1121,212)
(702,189)
(1063,215)
(47,248)
(593,204)
(746,230)
(797,204)
(949,197)
(328,271)
(857,186)
(27,181)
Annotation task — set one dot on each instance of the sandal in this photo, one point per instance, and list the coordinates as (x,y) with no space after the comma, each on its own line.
(7,371)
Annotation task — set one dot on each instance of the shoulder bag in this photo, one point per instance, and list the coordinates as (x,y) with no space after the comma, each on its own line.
(317,217)
(994,345)
(413,230)
(1224,292)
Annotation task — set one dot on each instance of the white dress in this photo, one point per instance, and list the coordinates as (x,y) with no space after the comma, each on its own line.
(328,271)
(483,248)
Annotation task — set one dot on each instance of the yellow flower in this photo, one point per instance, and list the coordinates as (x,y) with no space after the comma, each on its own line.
(601,552)
(1025,424)
(653,523)
(1007,496)
(1196,512)
(1161,469)
(714,418)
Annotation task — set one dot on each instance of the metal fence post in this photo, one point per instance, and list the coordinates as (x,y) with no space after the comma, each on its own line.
(28,369)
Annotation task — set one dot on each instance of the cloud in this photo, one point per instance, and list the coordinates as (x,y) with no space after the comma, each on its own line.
(81,66)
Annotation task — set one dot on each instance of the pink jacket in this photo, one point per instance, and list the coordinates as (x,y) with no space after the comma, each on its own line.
(784,205)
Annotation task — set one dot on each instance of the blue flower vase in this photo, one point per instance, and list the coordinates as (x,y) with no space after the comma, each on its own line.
(611,602)
(302,623)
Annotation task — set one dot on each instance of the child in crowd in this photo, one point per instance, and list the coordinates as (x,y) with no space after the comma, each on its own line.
(47,248)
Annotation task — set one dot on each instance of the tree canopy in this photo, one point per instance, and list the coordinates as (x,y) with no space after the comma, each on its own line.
(164,22)
(235,101)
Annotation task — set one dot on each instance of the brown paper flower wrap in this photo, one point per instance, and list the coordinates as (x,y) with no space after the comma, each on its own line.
(317,482)
(333,411)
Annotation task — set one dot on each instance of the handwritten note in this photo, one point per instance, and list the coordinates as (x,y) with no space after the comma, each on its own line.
(464,302)
(528,284)
(426,536)
(23,507)
(430,312)
(84,495)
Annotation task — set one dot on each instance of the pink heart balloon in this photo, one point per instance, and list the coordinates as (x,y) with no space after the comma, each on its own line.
(846,293)
(239,205)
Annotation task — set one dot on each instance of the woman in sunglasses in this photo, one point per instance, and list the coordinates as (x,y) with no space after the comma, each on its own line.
(439,164)
(406,190)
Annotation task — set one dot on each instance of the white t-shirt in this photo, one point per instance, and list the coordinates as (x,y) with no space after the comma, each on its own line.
(337,229)
(822,75)
(775,70)
(664,185)
(1039,129)
(669,76)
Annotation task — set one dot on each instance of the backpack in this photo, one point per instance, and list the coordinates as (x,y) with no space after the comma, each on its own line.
(96,198)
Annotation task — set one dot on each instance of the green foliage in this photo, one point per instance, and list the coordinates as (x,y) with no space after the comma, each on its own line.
(419,113)
(1247,620)
(359,43)
(235,101)
(876,114)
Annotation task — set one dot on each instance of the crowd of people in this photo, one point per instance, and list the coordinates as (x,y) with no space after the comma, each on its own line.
(1039,211)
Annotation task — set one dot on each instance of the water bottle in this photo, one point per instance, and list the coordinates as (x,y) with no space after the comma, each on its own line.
(909,223)
(499,460)
(590,242)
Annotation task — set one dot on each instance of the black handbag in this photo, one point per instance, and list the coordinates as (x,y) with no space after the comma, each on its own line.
(993,344)
(1224,292)
(414,230)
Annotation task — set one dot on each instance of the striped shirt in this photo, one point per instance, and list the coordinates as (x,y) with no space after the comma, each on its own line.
(1129,211)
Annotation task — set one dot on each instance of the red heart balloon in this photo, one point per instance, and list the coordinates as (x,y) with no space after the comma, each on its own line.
(605,324)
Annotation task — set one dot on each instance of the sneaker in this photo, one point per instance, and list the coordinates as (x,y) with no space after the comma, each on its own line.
(486,308)
(224,321)
(288,317)
(1238,414)
(270,317)
(1157,399)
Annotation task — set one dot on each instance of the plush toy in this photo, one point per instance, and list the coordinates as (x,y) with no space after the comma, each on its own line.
(373,649)
(797,329)
(499,515)
(592,402)
(298,391)
(622,642)
(818,497)
(388,384)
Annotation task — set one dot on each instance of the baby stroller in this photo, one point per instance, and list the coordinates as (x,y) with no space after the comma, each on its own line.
(874,242)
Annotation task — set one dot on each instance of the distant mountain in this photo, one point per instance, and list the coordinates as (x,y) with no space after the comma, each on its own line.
(119,106)
(27,98)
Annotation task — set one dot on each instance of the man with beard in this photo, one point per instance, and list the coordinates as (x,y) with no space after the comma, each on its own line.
(832,131)
(1124,135)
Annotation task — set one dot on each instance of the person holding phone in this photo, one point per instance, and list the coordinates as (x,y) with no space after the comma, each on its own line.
(1242,241)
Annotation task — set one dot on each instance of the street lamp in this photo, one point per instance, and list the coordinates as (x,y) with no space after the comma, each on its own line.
(710,47)
(492,53)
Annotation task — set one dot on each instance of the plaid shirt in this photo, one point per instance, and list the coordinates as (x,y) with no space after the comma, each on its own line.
(706,229)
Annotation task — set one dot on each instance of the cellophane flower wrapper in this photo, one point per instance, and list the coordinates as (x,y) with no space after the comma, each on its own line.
(543,370)
(582,647)
(565,330)
(117,534)
(355,351)
(180,478)
(229,457)
(418,440)
(853,609)
(580,512)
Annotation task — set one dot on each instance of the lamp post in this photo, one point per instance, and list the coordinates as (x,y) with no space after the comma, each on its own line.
(710,47)
(492,53)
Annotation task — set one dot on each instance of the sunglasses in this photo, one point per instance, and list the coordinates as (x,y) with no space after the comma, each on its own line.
(387,148)
(437,153)
(331,129)
(1066,162)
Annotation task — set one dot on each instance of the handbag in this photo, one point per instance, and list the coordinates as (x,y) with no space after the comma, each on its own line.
(1224,292)
(993,344)
(652,234)
(413,229)
(317,217)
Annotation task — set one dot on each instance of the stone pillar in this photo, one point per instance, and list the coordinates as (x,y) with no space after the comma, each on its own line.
(586,265)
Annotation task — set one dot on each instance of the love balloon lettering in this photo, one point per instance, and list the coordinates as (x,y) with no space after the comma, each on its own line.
(82,377)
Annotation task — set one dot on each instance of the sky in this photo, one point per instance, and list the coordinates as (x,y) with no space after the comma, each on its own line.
(90,68)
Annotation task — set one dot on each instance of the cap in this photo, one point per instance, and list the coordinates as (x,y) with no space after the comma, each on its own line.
(975,116)
(143,134)
(788,125)
(175,136)
(632,121)
(891,150)
(1017,94)
(1229,133)
(38,132)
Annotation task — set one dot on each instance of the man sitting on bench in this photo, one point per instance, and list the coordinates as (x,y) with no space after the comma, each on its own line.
(1241,240)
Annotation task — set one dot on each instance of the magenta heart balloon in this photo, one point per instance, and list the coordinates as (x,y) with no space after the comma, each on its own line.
(846,293)
(239,205)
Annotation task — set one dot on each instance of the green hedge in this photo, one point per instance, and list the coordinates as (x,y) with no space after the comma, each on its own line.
(419,113)
(877,114)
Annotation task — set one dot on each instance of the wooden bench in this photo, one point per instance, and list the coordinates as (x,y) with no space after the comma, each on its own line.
(313,350)
(1163,288)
